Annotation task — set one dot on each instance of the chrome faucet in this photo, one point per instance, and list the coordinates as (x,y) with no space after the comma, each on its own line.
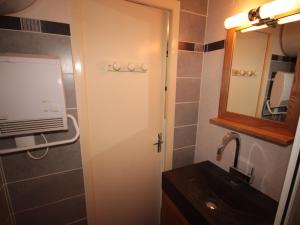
(226,139)
(234,169)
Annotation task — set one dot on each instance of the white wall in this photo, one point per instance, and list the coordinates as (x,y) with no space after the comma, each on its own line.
(270,160)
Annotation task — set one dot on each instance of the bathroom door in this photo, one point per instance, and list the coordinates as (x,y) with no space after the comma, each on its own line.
(125,109)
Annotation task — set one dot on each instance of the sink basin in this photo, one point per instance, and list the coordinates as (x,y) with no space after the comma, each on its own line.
(207,194)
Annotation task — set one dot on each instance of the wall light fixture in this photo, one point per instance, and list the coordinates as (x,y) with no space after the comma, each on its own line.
(269,14)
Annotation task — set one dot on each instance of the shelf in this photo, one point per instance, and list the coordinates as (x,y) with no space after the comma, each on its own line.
(277,136)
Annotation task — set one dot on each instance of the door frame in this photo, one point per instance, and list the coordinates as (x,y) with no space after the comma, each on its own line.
(292,181)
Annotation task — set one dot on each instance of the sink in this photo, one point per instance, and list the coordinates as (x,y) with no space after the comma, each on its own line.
(207,194)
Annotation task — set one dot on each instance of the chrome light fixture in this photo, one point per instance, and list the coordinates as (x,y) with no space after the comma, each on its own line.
(269,14)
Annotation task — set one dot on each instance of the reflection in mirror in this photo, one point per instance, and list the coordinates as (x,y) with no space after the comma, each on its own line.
(262,71)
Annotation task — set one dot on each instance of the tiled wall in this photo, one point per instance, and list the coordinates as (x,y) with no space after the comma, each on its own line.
(269,160)
(51,190)
(5,211)
(190,55)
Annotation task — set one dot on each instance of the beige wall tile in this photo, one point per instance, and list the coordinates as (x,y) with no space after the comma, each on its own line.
(192,27)
(196,6)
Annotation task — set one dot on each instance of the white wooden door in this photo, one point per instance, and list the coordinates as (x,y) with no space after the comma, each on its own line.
(125,109)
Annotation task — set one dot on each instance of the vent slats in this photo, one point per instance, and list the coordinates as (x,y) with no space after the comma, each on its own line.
(9,128)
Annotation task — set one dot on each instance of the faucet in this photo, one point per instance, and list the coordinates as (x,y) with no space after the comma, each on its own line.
(234,169)
(226,139)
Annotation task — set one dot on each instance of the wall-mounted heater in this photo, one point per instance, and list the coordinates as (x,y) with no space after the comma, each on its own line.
(32,100)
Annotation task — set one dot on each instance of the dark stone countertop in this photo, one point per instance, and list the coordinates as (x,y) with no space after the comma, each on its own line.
(237,203)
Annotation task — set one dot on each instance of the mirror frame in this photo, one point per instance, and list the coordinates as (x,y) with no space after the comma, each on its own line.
(281,133)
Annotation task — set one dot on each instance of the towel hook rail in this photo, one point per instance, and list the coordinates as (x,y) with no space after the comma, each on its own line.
(46,145)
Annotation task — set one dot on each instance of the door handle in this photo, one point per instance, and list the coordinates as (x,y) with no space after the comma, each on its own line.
(159,142)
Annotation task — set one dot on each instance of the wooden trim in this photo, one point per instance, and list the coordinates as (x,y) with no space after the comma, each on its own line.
(281,133)
(229,48)
(170,214)
(281,137)
(294,102)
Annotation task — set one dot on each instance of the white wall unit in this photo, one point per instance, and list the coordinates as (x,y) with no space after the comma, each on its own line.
(31,95)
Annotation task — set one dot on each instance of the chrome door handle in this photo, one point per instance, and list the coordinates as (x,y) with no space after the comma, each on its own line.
(159,142)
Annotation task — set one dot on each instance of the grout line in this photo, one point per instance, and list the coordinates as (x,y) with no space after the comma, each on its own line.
(178,103)
(193,13)
(190,42)
(188,146)
(71,108)
(84,218)
(42,176)
(2,186)
(182,103)
(189,125)
(50,203)
(193,51)
(7,195)
(187,102)
(188,77)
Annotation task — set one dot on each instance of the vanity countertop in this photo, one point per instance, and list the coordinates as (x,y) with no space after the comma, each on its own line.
(192,187)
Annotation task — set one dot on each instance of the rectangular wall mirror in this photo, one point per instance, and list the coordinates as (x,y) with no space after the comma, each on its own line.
(260,84)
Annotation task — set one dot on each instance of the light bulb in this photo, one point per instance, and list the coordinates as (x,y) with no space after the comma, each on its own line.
(237,20)
(278,7)
(254,28)
(289,19)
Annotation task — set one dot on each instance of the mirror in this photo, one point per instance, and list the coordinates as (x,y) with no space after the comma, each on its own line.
(260,90)
(263,70)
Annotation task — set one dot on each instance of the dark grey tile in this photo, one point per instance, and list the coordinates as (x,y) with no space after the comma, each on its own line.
(79,222)
(183,157)
(192,28)
(189,64)
(38,43)
(186,113)
(196,6)
(1,175)
(69,86)
(60,213)
(185,136)
(187,90)
(66,157)
(280,66)
(186,46)
(4,211)
(44,190)
(9,222)
(19,166)
(7,143)
(55,28)
(214,46)
(10,22)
